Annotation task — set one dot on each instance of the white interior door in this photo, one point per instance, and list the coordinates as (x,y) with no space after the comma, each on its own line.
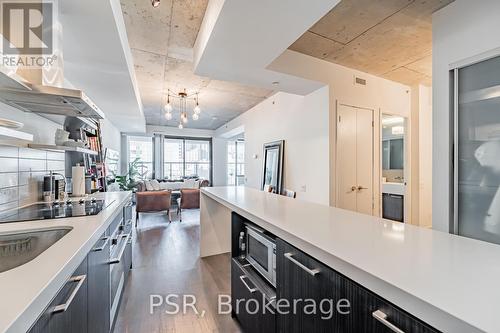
(364,161)
(346,157)
(355,159)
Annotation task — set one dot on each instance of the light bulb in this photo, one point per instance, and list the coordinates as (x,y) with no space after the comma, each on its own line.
(197,109)
(181,126)
(168,107)
(196,116)
(168,115)
(184,119)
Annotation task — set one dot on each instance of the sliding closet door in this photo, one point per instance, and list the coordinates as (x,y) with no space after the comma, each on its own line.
(477,154)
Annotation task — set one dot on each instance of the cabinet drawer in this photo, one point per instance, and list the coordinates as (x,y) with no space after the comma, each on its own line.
(372,313)
(245,298)
(300,277)
(117,221)
(68,310)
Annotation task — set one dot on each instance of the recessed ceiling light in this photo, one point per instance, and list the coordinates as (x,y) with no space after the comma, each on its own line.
(155,3)
(276,83)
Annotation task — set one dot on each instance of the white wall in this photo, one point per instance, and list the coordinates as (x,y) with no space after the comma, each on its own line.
(302,121)
(425,156)
(383,96)
(111,135)
(460,30)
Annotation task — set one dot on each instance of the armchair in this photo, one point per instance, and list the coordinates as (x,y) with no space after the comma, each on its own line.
(153,201)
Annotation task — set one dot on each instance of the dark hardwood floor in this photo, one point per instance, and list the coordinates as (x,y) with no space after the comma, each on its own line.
(166,261)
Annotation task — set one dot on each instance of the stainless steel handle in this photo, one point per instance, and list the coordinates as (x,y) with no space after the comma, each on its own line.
(310,271)
(63,307)
(122,250)
(100,248)
(251,290)
(382,318)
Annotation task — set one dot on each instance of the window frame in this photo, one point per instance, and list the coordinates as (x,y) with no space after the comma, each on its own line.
(236,162)
(184,139)
(136,138)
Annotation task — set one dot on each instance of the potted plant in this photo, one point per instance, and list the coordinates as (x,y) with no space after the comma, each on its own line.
(128,181)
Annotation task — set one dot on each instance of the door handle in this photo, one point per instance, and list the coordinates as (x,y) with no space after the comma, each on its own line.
(382,318)
(309,271)
(353,188)
(63,307)
(251,290)
(100,248)
(362,188)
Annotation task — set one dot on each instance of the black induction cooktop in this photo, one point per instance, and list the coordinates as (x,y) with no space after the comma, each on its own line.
(55,210)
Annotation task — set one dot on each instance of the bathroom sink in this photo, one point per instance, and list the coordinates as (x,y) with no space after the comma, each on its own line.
(18,248)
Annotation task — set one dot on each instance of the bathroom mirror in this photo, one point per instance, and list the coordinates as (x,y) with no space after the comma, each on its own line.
(393,148)
(393,134)
(273,166)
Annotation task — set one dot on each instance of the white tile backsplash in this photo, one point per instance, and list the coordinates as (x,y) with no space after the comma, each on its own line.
(21,174)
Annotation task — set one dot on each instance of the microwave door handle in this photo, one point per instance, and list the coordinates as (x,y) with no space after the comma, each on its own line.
(251,290)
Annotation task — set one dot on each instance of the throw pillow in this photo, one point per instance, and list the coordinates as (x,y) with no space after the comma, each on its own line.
(155,184)
(149,187)
(188,183)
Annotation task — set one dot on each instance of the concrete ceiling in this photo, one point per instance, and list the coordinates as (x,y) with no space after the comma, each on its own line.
(388,38)
(162,41)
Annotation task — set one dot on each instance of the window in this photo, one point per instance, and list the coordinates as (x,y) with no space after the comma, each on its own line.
(236,163)
(183,157)
(142,148)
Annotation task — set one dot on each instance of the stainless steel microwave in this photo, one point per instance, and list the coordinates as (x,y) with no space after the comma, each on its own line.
(261,253)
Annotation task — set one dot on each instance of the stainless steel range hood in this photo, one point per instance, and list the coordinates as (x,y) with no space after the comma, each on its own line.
(43,89)
(46,99)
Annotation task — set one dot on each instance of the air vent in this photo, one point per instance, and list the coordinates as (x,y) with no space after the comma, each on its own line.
(360,81)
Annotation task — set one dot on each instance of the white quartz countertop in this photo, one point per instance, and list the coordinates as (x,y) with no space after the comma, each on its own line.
(26,290)
(448,281)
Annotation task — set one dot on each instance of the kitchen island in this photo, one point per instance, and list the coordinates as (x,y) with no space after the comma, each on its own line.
(448,282)
(27,290)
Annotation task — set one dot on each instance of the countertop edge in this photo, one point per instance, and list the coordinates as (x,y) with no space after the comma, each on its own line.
(434,316)
(25,320)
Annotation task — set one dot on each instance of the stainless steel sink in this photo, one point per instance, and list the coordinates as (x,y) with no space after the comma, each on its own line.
(18,248)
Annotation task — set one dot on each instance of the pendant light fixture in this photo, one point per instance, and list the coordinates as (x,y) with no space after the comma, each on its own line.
(183,98)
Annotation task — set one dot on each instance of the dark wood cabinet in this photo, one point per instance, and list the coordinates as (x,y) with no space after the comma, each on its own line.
(99,287)
(301,278)
(248,302)
(68,310)
(371,313)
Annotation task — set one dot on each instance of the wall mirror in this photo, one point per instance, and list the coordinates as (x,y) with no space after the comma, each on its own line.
(393,148)
(393,137)
(273,166)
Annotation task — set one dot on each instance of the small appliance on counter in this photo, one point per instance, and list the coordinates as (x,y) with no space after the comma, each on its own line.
(53,188)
